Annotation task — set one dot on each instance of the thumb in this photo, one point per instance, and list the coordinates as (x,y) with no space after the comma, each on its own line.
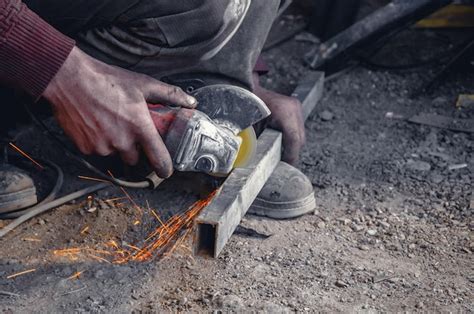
(158,92)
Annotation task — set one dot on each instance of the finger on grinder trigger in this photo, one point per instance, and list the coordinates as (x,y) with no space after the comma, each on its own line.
(160,92)
(156,151)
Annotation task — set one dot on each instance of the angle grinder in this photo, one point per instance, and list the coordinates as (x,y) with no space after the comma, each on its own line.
(217,136)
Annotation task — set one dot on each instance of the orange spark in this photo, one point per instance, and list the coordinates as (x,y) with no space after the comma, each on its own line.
(162,242)
(127,195)
(21,273)
(31,239)
(113,244)
(159,219)
(24,154)
(76,275)
(66,251)
(132,246)
(98,258)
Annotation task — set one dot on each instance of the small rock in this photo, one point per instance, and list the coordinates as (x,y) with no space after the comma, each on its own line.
(270,307)
(324,274)
(420,305)
(326,115)
(103,204)
(344,221)
(66,271)
(321,225)
(437,178)
(392,115)
(371,232)
(457,166)
(341,284)
(439,101)
(357,228)
(99,274)
(230,301)
(418,165)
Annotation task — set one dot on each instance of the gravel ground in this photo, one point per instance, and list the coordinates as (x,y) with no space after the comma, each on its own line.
(392,230)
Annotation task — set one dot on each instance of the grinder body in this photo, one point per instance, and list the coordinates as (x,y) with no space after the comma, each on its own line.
(195,142)
(217,136)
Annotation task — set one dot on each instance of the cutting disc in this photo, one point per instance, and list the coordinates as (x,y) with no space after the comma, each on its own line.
(248,148)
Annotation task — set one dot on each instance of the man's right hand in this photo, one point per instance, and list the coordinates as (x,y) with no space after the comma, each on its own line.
(104,109)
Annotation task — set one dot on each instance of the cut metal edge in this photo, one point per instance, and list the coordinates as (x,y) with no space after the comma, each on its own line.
(217,222)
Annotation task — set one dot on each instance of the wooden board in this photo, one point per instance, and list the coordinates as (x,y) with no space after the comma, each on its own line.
(309,91)
(218,221)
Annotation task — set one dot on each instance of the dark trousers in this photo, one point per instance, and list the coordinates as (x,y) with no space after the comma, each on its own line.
(161,38)
(166,37)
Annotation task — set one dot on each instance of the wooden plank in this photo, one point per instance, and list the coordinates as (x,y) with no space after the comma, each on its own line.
(218,221)
(465,101)
(443,122)
(309,91)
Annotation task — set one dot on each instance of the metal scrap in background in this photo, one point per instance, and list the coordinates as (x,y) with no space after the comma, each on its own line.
(452,16)
(389,19)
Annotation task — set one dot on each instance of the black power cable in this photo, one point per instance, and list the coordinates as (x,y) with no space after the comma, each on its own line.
(39,209)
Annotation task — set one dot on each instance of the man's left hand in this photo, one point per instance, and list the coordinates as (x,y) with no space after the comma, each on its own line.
(287,117)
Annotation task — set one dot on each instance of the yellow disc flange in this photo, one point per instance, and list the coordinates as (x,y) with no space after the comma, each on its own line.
(248,148)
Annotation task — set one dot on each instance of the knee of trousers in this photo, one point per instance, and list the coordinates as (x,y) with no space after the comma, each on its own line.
(166,32)
(202,31)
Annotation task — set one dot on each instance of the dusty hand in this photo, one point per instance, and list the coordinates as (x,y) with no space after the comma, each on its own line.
(104,109)
(287,117)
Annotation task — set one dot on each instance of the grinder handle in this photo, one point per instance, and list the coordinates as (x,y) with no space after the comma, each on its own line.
(163,117)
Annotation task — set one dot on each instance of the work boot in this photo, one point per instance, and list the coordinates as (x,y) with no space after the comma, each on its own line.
(17,190)
(288,193)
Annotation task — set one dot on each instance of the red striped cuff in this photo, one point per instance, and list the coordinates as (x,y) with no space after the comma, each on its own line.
(31,53)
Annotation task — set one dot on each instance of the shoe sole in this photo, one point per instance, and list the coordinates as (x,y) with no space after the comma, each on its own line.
(17,200)
(283,210)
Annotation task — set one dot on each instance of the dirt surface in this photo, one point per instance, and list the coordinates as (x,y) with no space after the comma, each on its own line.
(392,230)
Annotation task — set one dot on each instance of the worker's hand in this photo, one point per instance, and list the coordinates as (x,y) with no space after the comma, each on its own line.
(104,109)
(287,117)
